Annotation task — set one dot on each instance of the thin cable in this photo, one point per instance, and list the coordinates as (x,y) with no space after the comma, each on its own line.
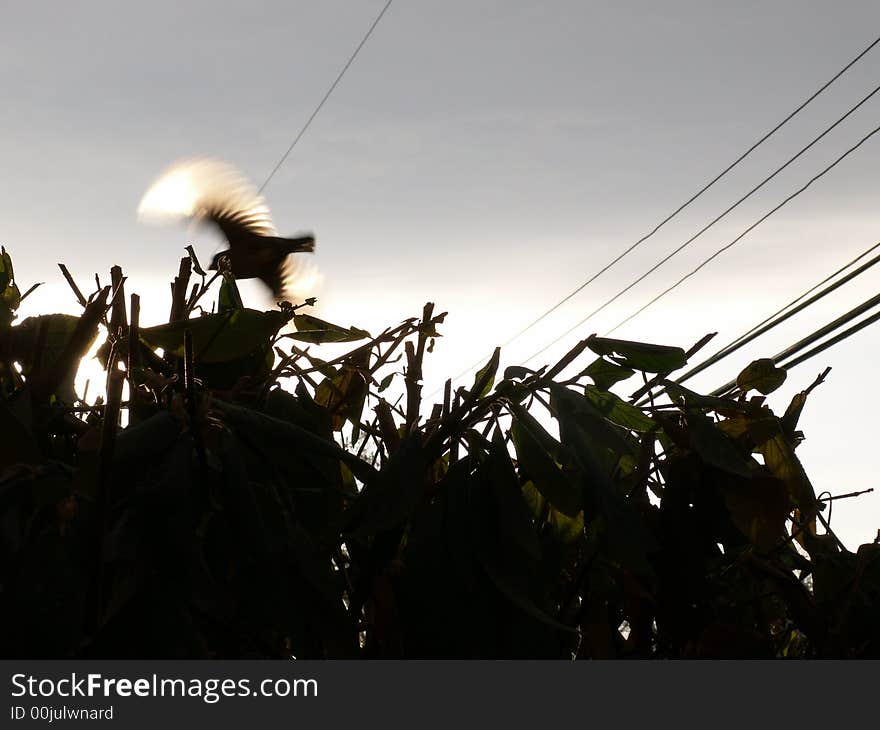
(678,210)
(711,223)
(748,230)
(833,341)
(778,317)
(781,315)
(754,331)
(327,96)
(788,352)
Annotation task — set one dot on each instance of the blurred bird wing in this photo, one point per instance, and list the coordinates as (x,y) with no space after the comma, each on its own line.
(205,188)
(296,279)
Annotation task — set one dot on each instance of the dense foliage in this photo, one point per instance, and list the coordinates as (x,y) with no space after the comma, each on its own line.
(532,514)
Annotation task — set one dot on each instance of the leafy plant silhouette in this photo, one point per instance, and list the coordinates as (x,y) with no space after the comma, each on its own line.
(533,514)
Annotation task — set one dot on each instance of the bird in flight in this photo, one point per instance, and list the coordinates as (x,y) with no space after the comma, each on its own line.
(205,189)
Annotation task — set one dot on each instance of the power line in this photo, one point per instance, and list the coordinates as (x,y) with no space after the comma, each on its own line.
(709,225)
(748,230)
(792,350)
(833,341)
(678,210)
(330,91)
(780,315)
(786,312)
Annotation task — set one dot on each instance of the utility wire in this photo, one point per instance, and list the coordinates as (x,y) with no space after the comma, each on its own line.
(748,230)
(779,316)
(705,228)
(818,334)
(330,91)
(678,210)
(833,341)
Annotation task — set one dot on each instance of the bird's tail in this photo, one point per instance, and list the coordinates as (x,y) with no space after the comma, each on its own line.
(301,244)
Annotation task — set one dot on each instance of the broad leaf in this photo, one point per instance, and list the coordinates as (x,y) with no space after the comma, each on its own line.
(539,464)
(486,374)
(640,355)
(617,410)
(605,374)
(716,449)
(312,329)
(761,375)
(218,337)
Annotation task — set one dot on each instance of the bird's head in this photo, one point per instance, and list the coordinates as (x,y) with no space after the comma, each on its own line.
(220,261)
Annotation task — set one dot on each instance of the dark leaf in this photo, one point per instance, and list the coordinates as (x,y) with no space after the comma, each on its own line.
(605,374)
(640,355)
(538,462)
(218,337)
(617,410)
(690,399)
(793,413)
(517,372)
(312,329)
(761,375)
(758,507)
(716,449)
(486,375)
(513,514)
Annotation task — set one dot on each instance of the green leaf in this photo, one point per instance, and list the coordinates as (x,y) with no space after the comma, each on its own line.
(692,399)
(617,410)
(386,381)
(6,272)
(229,298)
(599,430)
(322,366)
(716,449)
(640,355)
(10,296)
(312,329)
(568,530)
(780,459)
(517,372)
(218,337)
(343,395)
(761,375)
(539,463)
(605,374)
(627,537)
(52,332)
(793,413)
(488,372)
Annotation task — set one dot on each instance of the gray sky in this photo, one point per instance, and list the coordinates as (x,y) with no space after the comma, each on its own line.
(484,155)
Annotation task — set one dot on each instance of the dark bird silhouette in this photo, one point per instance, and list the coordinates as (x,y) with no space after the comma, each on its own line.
(214,191)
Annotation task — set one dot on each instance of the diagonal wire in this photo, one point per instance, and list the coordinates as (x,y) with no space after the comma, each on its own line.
(832,341)
(786,312)
(780,357)
(748,230)
(678,210)
(327,96)
(782,314)
(711,223)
